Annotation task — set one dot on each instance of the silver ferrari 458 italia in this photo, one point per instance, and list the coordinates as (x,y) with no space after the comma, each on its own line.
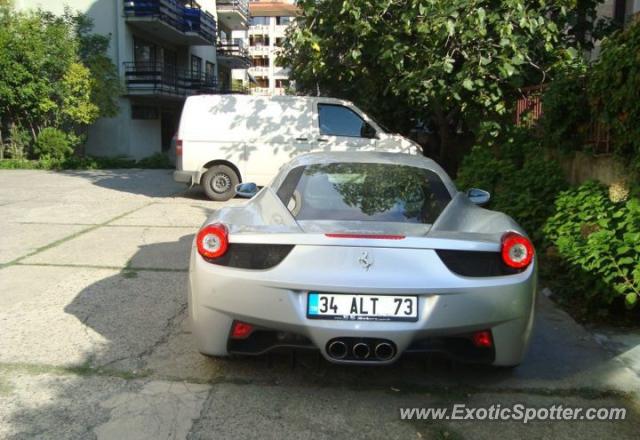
(363,256)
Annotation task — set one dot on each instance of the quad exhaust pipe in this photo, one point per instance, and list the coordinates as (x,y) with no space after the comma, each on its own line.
(361,350)
(384,351)
(337,350)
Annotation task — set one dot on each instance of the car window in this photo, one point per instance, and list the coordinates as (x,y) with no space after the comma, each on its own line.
(337,120)
(364,192)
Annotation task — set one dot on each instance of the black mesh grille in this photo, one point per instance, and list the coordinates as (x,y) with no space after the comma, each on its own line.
(253,256)
(475,263)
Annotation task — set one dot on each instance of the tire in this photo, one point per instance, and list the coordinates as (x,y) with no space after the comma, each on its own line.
(219,183)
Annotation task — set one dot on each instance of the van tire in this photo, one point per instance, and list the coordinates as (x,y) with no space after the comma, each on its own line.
(219,183)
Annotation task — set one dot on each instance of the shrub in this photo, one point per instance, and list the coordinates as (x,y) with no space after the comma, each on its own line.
(567,112)
(596,231)
(54,144)
(18,143)
(156,161)
(522,182)
(614,89)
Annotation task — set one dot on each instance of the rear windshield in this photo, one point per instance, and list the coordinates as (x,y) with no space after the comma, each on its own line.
(364,192)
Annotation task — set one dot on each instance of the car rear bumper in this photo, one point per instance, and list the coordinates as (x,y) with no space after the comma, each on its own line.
(449,305)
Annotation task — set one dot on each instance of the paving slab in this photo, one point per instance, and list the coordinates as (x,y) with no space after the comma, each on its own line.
(156,411)
(64,316)
(53,406)
(40,404)
(57,212)
(18,240)
(280,412)
(170,215)
(122,246)
(87,186)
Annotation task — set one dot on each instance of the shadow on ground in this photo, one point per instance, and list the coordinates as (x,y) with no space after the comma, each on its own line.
(141,320)
(142,315)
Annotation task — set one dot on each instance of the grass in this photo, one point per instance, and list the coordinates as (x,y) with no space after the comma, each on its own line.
(157,161)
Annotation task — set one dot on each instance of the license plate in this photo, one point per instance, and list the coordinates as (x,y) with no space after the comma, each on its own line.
(362,307)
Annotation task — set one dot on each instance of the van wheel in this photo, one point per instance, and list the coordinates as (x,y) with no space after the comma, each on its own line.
(219,183)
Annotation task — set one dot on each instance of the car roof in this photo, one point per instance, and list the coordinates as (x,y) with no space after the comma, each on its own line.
(412,160)
(363,157)
(323,99)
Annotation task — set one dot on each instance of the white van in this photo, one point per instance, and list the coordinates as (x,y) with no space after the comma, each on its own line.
(226,139)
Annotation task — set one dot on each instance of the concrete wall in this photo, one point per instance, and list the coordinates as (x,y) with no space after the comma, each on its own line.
(580,167)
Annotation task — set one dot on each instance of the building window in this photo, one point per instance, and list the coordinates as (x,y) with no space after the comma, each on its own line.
(259,21)
(262,82)
(196,65)
(170,58)
(282,83)
(337,120)
(260,61)
(284,20)
(144,52)
(258,40)
(144,112)
(210,72)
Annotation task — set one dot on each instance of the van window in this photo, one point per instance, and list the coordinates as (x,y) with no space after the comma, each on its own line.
(337,120)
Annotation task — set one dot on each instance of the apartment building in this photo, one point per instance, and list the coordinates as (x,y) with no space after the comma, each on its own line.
(165,50)
(265,34)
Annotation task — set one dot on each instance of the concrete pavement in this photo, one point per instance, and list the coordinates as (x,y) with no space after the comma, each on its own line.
(94,340)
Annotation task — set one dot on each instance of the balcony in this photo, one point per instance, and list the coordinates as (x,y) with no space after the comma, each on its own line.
(259,29)
(166,81)
(233,54)
(258,50)
(182,23)
(260,91)
(233,14)
(259,71)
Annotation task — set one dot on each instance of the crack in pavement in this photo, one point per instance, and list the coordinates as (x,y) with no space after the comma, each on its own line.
(204,409)
(120,268)
(167,331)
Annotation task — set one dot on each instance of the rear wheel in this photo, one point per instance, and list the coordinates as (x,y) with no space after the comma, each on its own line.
(219,183)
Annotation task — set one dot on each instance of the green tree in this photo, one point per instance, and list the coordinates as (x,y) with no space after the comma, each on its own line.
(53,73)
(457,64)
(93,51)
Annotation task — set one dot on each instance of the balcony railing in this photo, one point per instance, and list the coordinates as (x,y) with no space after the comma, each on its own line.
(166,80)
(187,18)
(259,70)
(259,50)
(241,6)
(233,53)
(231,49)
(261,91)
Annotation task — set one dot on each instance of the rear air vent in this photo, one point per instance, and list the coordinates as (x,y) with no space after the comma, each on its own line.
(253,256)
(475,264)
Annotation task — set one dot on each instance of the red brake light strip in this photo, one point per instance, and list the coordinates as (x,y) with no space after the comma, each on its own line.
(367,236)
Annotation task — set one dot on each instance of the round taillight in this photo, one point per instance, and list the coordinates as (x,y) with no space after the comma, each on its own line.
(213,241)
(517,251)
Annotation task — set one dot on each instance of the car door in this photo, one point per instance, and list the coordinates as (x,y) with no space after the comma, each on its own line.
(341,128)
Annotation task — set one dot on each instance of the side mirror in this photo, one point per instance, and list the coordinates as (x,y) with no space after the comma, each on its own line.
(247,190)
(479,196)
(367,131)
